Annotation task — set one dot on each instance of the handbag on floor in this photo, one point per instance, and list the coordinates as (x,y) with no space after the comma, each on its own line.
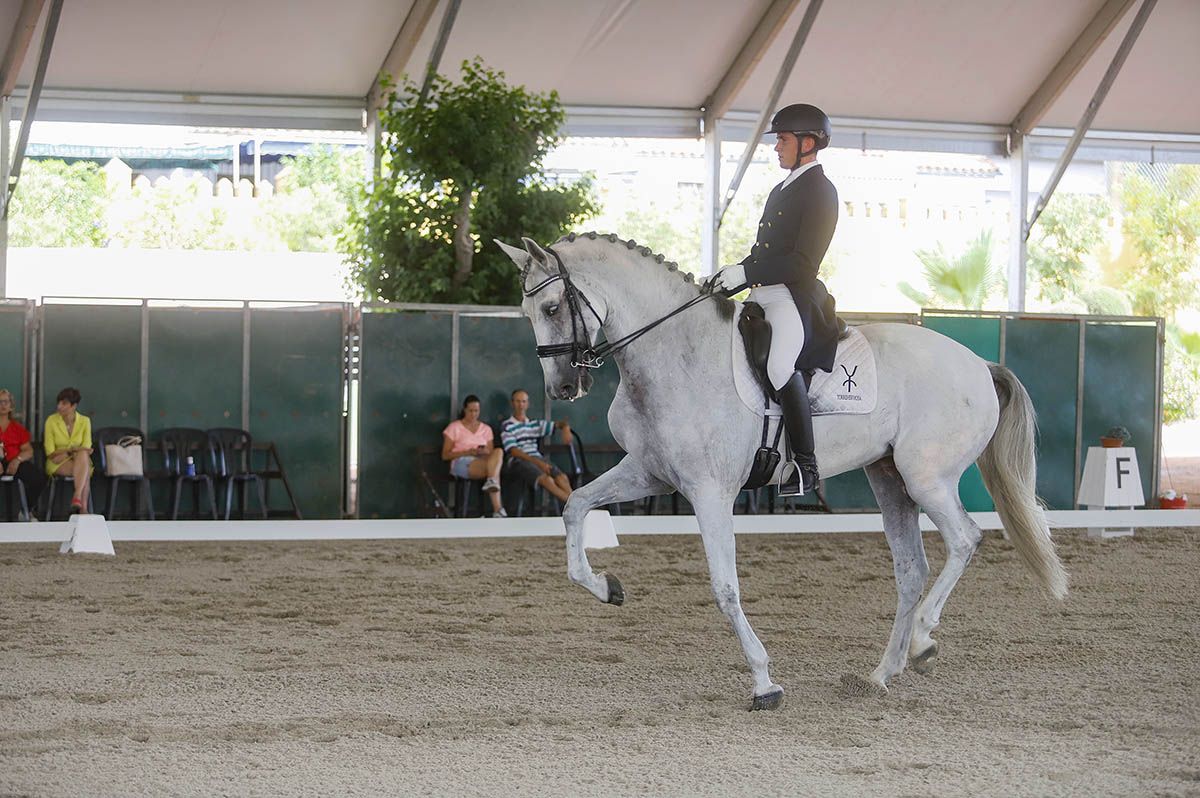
(123,458)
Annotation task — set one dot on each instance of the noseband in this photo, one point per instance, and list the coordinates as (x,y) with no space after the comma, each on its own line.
(584,355)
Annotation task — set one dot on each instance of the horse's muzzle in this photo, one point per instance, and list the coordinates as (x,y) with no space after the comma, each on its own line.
(570,388)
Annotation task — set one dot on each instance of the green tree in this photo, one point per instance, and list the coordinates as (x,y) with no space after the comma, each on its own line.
(1162,224)
(460,168)
(1067,233)
(176,214)
(59,205)
(314,194)
(962,281)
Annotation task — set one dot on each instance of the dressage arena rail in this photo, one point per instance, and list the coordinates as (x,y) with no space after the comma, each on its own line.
(426,529)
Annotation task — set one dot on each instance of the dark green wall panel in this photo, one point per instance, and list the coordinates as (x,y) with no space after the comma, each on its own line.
(195,368)
(96,349)
(496,356)
(980,335)
(296,399)
(14,344)
(405,398)
(1119,388)
(1044,354)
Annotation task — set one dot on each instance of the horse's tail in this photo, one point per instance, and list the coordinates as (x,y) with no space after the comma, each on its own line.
(1009,469)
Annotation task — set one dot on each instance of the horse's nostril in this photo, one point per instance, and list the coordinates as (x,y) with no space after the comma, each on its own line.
(567,390)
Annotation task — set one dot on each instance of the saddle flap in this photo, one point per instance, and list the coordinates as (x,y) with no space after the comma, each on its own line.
(756,338)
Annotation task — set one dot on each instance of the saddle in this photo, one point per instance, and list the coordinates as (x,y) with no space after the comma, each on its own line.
(756,337)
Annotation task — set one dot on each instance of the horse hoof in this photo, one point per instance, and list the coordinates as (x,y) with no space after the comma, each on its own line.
(925,662)
(616,593)
(773,699)
(861,687)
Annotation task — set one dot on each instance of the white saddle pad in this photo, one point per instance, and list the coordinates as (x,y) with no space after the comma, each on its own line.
(852,386)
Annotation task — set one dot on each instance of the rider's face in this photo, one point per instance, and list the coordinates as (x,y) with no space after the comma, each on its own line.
(787,147)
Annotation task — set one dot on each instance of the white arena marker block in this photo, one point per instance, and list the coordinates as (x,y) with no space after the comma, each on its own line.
(88,535)
(598,531)
(1111,479)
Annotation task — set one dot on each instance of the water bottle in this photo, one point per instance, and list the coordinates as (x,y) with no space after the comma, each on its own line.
(190,467)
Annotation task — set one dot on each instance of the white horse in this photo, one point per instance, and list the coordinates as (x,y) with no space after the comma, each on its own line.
(678,416)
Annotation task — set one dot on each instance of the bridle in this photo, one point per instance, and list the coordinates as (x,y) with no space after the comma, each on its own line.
(584,355)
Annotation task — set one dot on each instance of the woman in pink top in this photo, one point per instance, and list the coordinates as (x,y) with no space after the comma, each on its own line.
(467,445)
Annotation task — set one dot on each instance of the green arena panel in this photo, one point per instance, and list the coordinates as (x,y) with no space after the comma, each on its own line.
(297,394)
(14,351)
(404,404)
(195,376)
(98,350)
(1120,383)
(1044,354)
(496,355)
(980,334)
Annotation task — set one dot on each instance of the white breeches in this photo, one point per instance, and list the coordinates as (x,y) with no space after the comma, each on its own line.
(787,331)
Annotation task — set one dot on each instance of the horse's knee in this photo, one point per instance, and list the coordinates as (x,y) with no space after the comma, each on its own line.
(728,600)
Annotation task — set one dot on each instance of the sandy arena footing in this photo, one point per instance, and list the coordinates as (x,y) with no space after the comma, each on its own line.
(473,667)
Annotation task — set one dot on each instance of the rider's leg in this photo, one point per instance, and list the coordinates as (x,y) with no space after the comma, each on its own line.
(787,340)
(800,474)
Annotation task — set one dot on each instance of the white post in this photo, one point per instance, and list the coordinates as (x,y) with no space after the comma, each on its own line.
(257,164)
(710,222)
(5,120)
(1018,250)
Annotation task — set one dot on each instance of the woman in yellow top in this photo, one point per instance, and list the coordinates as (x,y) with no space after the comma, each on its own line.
(68,443)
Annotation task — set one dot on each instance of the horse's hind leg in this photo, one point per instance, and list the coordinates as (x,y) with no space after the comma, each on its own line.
(961,536)
(902,528)
(715,517)
(625,481)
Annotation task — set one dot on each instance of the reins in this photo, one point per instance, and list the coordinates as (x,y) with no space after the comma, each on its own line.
(583,355)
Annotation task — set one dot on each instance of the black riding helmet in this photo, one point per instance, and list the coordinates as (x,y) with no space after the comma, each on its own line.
(803,120)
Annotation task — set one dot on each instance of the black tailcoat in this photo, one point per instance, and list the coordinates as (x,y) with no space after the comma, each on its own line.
(795,230)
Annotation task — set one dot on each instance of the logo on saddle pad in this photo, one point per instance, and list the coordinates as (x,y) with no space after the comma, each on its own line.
(850,384)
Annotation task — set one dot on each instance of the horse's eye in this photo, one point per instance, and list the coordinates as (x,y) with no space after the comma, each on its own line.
(550,310)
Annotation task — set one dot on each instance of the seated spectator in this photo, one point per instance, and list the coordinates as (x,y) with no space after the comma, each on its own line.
(68,442)
(16,450)
(521,437)
(468,445)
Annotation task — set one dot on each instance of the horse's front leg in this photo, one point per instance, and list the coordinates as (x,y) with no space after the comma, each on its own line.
(627,481)
(715,517)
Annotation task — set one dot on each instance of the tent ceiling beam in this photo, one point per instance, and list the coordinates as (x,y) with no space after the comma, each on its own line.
(396,61)
(35,91)
(1089,113)
(439,46)
(1090,38)
(773,20)
(781,79)
(18,45)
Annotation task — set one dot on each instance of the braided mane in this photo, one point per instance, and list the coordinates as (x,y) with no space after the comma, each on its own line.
(647,254)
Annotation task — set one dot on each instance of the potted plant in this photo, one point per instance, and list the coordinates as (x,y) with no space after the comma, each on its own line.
(1115,438)
(1170,500)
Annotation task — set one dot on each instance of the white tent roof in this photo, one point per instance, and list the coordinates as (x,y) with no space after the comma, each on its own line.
(633,66)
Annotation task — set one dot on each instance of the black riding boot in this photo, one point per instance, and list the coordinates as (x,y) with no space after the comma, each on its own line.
(799,474)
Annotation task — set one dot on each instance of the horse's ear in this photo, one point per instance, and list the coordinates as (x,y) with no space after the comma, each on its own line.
(518,256)
(538,254)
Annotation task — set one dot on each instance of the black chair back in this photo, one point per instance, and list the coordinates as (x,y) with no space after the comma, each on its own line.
(231,449)
(178,443)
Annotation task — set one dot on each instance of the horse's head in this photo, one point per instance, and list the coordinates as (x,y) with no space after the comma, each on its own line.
(566,324)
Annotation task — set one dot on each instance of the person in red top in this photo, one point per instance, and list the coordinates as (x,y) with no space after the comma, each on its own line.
(16,452)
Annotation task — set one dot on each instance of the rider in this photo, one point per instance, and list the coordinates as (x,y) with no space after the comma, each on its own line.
(795,230)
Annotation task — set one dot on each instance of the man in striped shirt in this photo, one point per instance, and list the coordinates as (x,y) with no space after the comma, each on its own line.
(521,437)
